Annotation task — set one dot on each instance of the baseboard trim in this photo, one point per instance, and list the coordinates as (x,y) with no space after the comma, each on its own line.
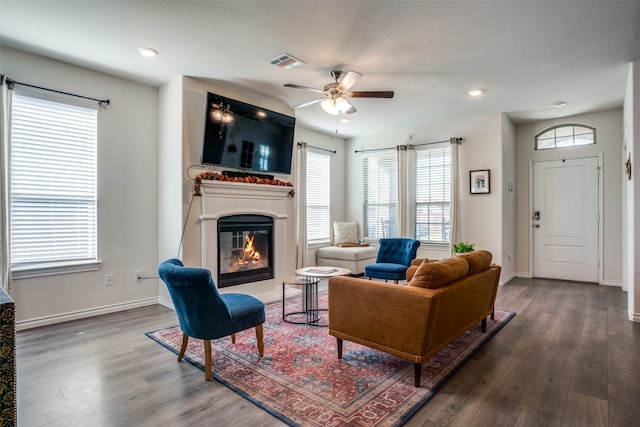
(611,283)
(82,314)
(166,302)
(506,279)
(524,275)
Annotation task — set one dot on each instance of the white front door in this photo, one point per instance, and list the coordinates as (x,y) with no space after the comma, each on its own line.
(565,219)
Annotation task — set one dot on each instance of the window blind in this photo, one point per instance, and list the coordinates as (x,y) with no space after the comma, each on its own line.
(318,197)
(432,174)
(380,195)
(53,182)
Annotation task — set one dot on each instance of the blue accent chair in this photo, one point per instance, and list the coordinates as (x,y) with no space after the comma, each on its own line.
(204,313)
(394,257)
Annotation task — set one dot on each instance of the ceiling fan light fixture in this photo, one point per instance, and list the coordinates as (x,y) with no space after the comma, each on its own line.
(335,106)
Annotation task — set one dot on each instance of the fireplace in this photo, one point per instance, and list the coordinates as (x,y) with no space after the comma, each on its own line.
(245,249)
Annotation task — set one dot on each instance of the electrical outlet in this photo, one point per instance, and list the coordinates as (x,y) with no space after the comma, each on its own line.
(108,279)
(138,276)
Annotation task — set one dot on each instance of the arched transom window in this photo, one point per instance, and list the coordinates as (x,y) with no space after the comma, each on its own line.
(565,136)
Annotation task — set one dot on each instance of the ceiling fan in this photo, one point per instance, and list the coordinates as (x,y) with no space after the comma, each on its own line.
(335,100)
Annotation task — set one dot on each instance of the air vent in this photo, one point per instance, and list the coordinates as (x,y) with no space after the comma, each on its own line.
(287,61)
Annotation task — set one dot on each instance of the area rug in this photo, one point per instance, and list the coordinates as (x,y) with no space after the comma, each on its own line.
(301,381)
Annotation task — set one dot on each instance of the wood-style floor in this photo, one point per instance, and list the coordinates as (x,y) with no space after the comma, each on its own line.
(570,357)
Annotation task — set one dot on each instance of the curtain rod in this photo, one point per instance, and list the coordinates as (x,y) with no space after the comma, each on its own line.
(377,149)
(11,82)
(456,140)
(317,148)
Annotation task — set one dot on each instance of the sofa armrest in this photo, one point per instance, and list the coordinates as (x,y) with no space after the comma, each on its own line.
(392,318)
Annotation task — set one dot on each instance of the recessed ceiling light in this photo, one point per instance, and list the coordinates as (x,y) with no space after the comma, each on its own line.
(558,104)
(147,52)
(476,92)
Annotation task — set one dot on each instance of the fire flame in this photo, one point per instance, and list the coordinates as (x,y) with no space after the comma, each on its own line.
(249,254)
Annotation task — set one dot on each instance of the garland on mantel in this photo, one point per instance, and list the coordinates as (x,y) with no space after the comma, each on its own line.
(216,176)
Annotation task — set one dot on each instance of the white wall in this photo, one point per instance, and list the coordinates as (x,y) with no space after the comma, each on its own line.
(170,198)
(609,137)
(631,190)
(127,196)
(338,182)
(508,199)
(480,215)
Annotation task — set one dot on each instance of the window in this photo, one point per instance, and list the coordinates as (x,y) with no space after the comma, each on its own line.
(318,212)
(432,193)
(380,196)
(565,136)
(53,182)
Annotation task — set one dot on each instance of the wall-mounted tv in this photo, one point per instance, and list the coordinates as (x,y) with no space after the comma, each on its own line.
(246,137)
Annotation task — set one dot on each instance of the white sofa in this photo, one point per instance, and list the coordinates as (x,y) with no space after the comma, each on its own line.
(353,258)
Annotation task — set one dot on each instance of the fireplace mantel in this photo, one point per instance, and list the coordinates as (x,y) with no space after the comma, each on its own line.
(245,190)
(223,198)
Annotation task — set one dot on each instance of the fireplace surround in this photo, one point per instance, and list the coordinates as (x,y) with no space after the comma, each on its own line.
(222,199)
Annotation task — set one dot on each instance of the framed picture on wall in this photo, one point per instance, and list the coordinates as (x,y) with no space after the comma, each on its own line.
(479,181)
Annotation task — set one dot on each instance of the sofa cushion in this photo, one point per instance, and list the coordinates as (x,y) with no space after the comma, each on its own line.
(345,232)
(414,266)
(478,260)
(432,275)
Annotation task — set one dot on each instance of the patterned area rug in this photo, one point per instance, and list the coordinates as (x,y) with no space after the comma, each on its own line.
(301,381)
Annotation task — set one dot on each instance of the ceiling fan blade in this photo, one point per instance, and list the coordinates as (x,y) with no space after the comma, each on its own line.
(306,104)
(372,94)
(304,88)
(348,80)
(351,110)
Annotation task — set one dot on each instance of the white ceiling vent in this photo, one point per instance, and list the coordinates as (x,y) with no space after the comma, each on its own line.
(287,61)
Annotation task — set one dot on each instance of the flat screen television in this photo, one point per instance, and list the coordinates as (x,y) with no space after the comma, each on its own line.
(246,137)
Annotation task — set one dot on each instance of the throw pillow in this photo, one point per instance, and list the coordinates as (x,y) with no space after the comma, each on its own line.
(345,232)
(433,275)
(478,260)
(414,267)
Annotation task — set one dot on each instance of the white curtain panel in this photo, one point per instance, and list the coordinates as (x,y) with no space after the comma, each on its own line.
(5,137)
(301,205)
(455,191)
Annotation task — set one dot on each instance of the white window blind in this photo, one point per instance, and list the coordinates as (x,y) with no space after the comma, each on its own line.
(318,193)
(432,174)
(53,182)
(380,195)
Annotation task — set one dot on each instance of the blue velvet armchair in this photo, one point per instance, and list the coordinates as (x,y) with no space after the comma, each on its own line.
(204,313)
(394,257)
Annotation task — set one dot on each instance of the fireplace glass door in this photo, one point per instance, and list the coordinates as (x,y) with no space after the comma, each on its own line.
(245,249)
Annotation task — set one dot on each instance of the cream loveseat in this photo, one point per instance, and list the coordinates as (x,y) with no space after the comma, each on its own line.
(440,301)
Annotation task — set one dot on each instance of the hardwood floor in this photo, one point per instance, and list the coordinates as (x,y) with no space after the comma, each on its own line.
(570,357)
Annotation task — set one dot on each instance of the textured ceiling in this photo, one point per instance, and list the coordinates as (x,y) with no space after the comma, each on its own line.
(526,54)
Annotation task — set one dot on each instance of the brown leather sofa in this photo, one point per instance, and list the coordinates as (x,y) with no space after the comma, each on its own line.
(441,300)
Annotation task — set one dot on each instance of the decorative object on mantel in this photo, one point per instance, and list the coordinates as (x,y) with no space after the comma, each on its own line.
(210,175)
(627,164)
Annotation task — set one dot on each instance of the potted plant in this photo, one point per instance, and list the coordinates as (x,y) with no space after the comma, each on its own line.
(462,247)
